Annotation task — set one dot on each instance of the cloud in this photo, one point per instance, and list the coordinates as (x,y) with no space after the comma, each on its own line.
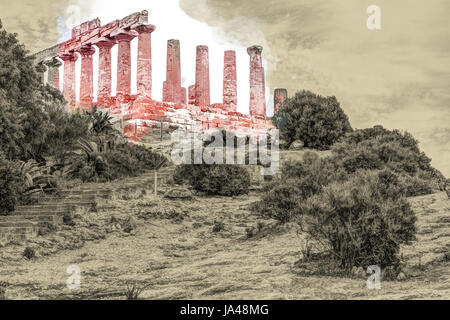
(397,76)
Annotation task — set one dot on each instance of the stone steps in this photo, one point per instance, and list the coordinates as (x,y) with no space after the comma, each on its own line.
(42,220)
(20,232)
(24,223)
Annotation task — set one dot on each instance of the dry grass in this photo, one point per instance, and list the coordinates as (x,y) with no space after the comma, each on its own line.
(174,248)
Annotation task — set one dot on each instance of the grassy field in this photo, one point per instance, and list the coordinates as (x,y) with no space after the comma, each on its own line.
(172,250)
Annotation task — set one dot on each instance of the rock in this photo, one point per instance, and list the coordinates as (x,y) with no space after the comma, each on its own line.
(297,145)
(401,276)
(359,272)
(129,225)
(178,193)
(282,143)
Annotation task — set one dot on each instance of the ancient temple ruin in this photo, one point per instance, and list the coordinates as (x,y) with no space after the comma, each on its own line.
(181,107)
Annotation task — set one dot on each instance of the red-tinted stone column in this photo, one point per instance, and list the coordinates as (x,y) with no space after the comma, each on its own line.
(202,96)
(56,80)
(69,92)
(144,60)
(172,85)
(87,76)
(183,95)
(191,94)
(257,83)
(53,65)
(124,61)
(279,96)
(229,81)
(104,71)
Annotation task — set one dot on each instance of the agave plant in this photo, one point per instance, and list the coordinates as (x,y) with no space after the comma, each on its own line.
(92,165)
(101,122)
(34,175)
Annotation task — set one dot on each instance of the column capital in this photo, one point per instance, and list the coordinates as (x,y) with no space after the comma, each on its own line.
(202,48)
(254,50)
(52,62)
(68,56)
(87,50)
(123,35)
(145,28)
(104,42)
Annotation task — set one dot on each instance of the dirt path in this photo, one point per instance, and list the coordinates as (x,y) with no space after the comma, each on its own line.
(187,260)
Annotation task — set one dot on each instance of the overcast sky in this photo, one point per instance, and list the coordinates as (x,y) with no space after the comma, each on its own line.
(398,76)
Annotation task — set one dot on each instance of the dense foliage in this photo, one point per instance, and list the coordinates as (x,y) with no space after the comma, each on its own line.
(224,180)
(353,201)
(362,221)
(317,121)
(379,148)
(39,138)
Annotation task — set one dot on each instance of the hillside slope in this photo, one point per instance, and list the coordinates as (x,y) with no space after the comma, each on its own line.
(174,251)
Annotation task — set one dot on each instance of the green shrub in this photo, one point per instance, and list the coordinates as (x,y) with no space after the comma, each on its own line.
(317,121)
(218,226)
(360,221)
(11,187)
(148,159)
(415,186)
(224,180)
(29,253)
(378,148)
(280,201)
(299,180)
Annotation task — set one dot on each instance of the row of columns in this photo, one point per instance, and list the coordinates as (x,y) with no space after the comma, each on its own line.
(123,39)
(198,94)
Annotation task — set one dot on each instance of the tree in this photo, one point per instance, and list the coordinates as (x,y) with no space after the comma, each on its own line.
(317,121)
(22,115)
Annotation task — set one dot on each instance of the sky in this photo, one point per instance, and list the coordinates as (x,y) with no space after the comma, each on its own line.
(398,76)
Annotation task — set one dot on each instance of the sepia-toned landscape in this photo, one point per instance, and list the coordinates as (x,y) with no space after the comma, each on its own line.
(269,167)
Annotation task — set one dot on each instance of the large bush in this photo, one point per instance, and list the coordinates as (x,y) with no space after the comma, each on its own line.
(299,180)
(378,148)
(362,221)
(317,121)
(120,160)
(224,179)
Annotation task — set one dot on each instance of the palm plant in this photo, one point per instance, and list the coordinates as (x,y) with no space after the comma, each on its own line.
(101,123)
(34,176)
(92,165)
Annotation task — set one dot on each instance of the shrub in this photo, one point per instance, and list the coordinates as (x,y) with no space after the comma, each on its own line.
(11,187)
(218,226)
(299,180)
(29,253)
(148,159)
(378,148)
(3,286)
(133,291)
(360,222)
(415,186)
(122,160)
(224,180)
(317,121)
(280,201)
